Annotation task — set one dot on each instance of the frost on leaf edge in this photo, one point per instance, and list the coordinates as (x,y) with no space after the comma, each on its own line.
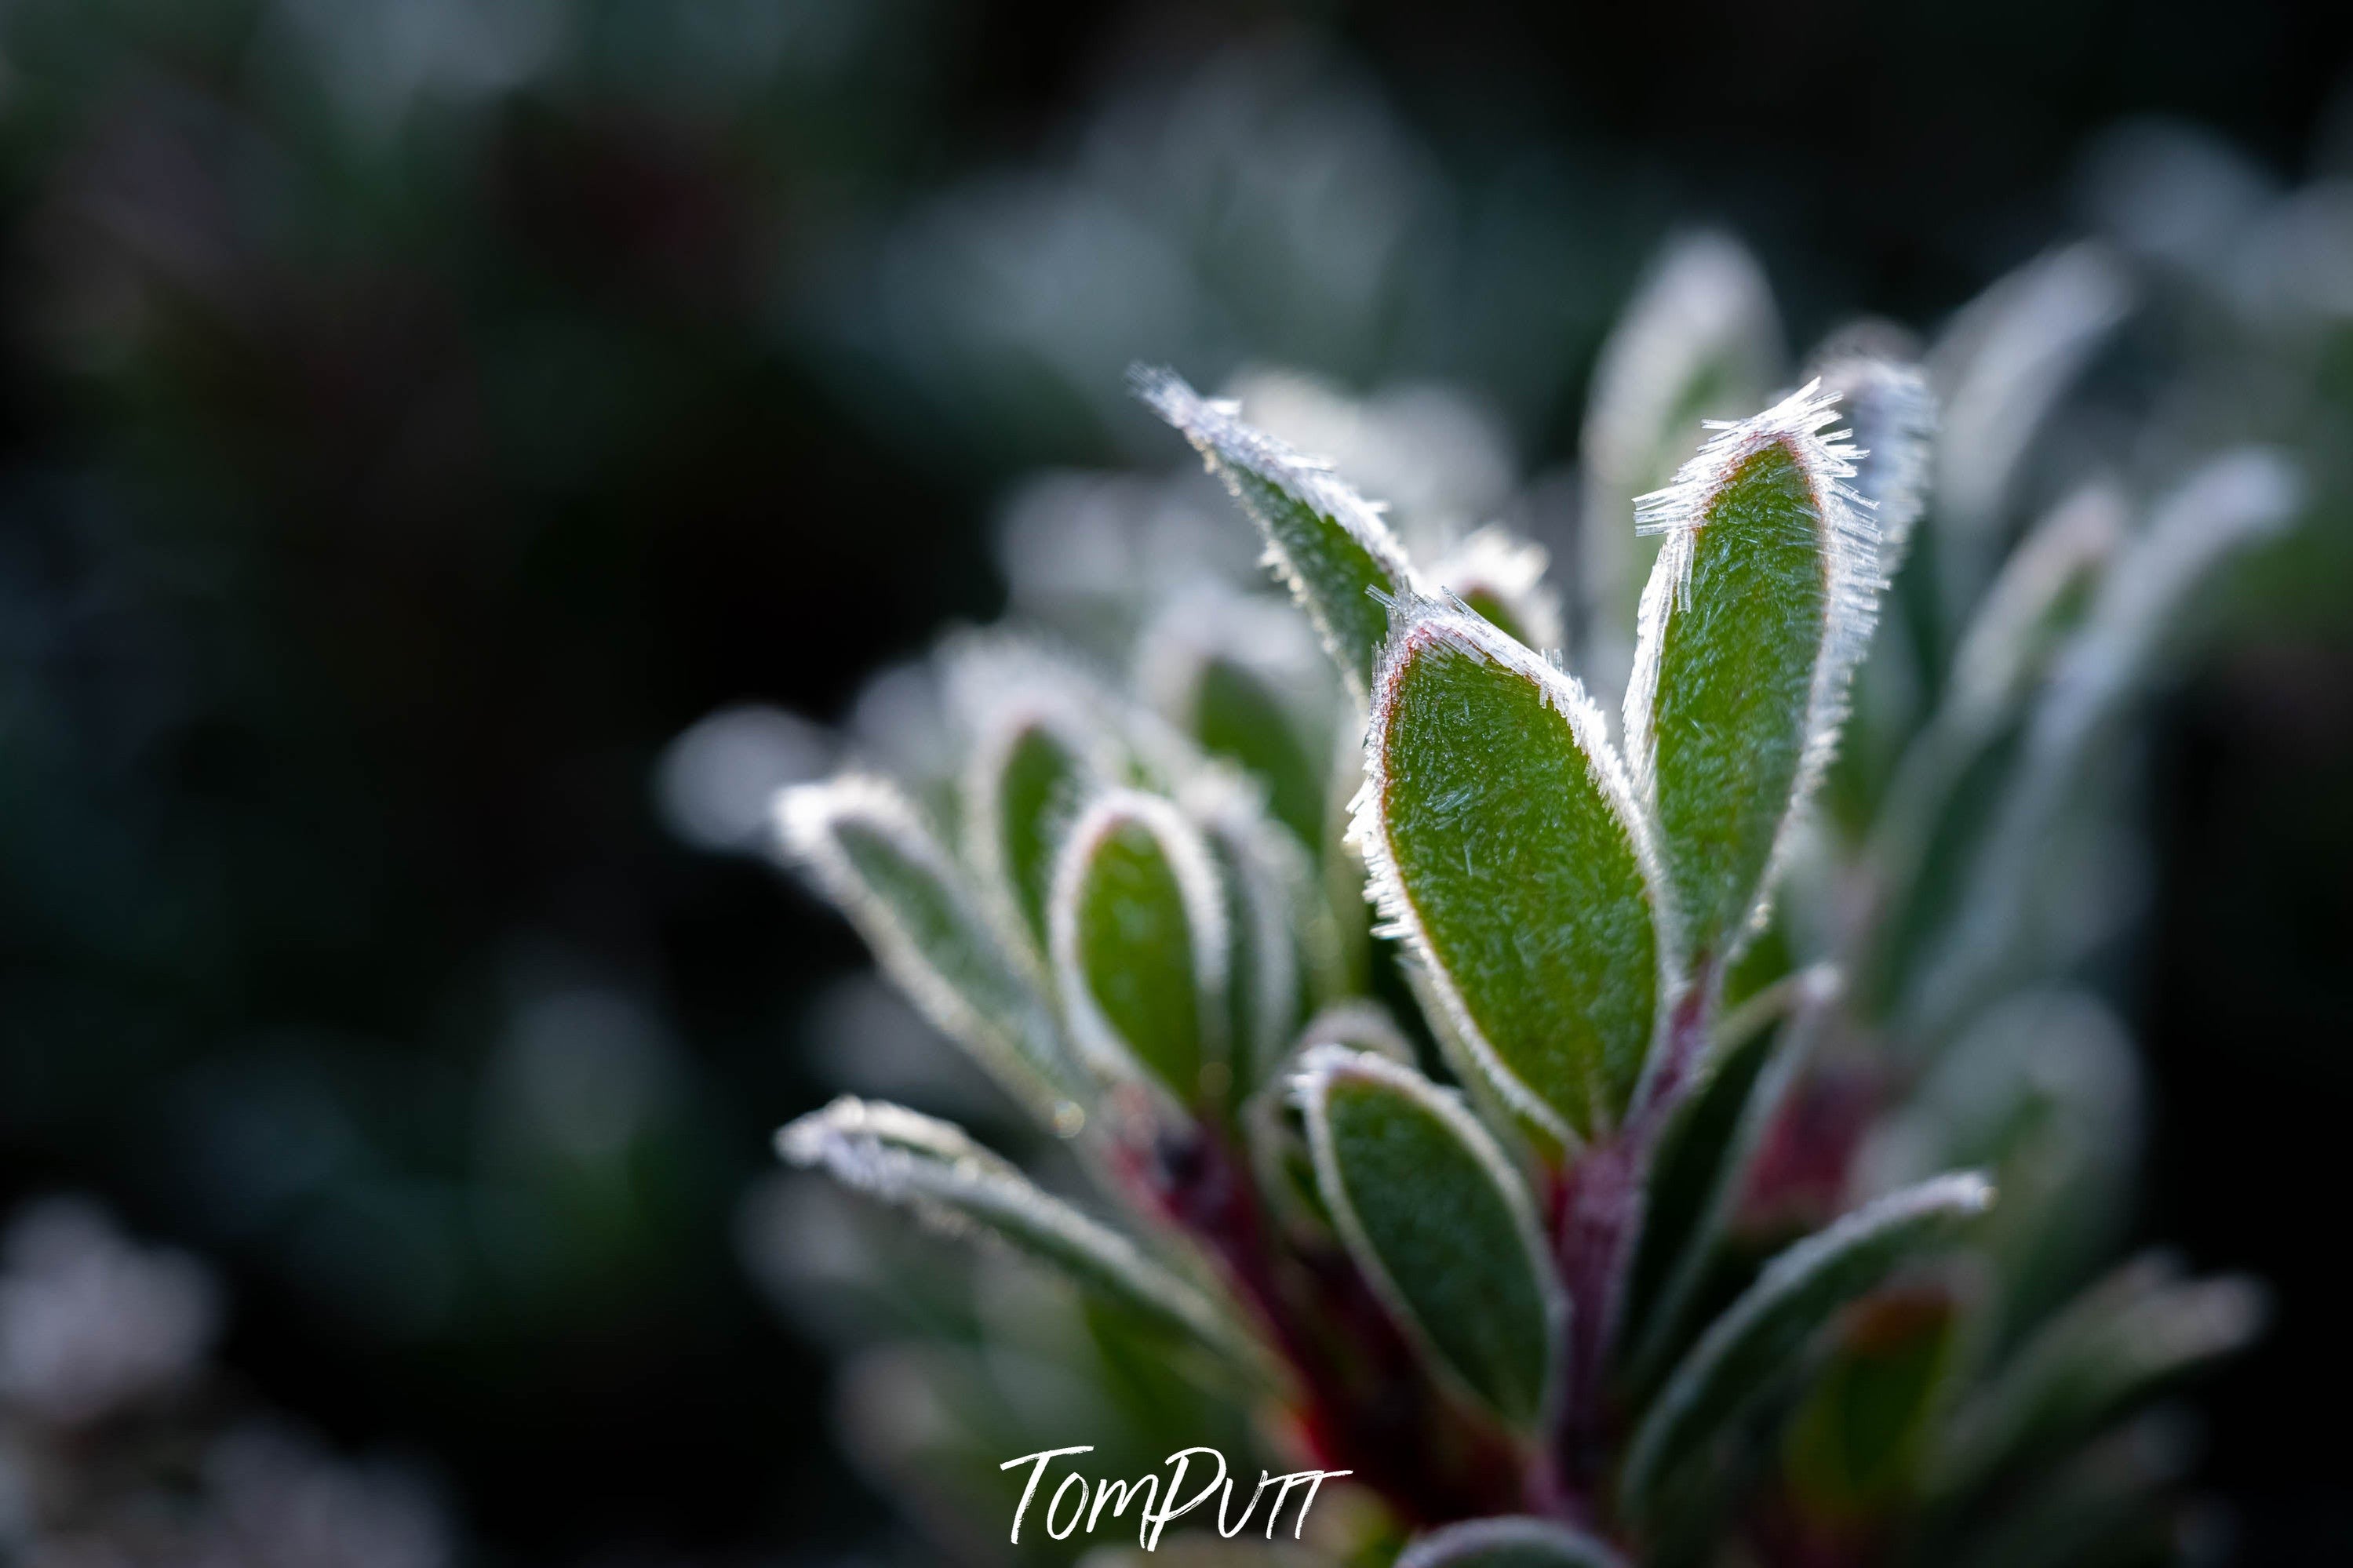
(1310,1086)
(1800,423)
(1418,619)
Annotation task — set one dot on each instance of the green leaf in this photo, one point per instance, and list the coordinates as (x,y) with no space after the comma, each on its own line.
(1140,945)
(1228,672)
(1030,770)
(2131,1337)
(1440,1225)
(863,843)
(953,1184)
(1500,578)
(1855,1445)
(1509,1542)
(1504,846)
(1333,550)
(1274,914)
(1701,1159)
(1760,604)
(1756,1345)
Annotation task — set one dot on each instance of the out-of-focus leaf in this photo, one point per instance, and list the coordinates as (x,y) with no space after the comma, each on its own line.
(2002,364)
(867,847)
(1330,546)
(1140,946)
(2043,1092)
(1440,1225)
(1504,846)
(1241,676)
(932,1169)
(2229,503)
(1855,1444)
(1360,1026)
(1701,341)
(1273,915)
(1887,403)
(1509,1542)
(1758,1343)
(1761,601)
(2102,1507)
(1028,773)
(1696,1170)
(2134,1336)
(1500,578)
(1943,797)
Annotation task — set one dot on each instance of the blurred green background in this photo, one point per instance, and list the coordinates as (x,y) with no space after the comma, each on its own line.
(414,414)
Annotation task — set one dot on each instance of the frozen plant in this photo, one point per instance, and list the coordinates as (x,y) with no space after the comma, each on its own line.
(1715,1154)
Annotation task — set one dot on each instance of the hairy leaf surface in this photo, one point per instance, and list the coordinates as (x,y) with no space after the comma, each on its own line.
(1759,604)
(1438,1222)
(1332,549)
(1503,845)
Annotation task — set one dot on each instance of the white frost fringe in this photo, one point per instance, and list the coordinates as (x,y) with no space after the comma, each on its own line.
(960,1189)
(1216,430)
(808,820)
(1850,551)
(1318,1069)
(1414,623)
(1181,846)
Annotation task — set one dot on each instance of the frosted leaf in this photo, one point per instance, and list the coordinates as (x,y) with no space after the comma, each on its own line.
(1892,414)
(932,1169)
(1328,545)
(1140,947)
(1439,458)
(1242,678)
(1440,1224)
(1504,846)
(1701,340)
(868,848)
(1751,1348)
(1762,600)
(1280,933)
(1501,578)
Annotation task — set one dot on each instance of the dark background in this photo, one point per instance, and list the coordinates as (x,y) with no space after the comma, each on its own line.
(374,504)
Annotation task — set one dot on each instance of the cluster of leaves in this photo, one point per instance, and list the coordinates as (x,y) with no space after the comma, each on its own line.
(1706,1157)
